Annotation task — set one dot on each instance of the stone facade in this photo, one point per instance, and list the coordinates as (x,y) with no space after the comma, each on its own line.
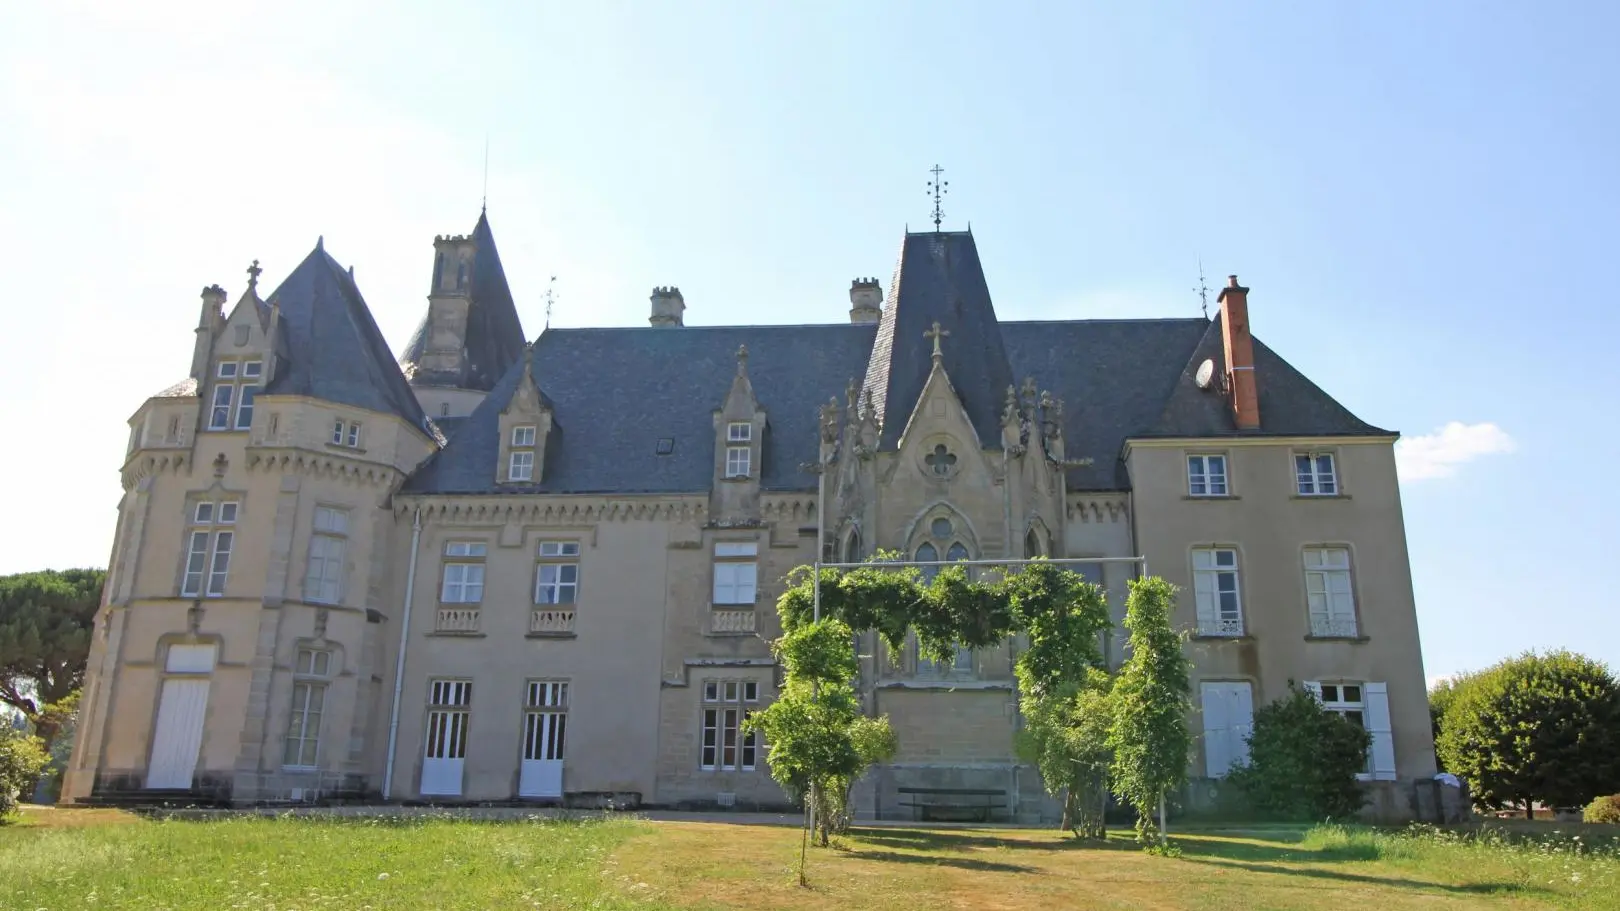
(469,594)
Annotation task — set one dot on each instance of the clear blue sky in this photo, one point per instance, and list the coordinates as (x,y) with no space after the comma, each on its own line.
(1423,197)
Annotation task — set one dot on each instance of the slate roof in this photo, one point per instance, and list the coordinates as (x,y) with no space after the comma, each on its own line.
(495,337)
(616,392)
(332,348)
(938,278)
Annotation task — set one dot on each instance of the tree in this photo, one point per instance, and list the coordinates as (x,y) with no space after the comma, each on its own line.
(1441,695)
(1535,728)
(820,743)
(1065,736)
(1303,761)
(45,623)
(1150,737)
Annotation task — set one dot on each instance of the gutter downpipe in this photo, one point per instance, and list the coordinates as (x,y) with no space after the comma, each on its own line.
(399,663)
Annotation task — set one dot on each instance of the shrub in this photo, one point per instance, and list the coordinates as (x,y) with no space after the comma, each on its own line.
(1604,810)
(1539,727)
(1303,761)
(22,758)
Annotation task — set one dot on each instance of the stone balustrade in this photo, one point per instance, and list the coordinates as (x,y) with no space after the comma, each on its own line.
(456,620)
(732,621)
(551,621)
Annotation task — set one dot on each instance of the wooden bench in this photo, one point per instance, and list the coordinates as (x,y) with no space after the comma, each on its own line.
(952,804)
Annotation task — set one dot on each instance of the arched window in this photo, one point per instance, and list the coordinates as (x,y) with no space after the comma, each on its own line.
(852,546)
(461,275)
(1032,545)
(957,552)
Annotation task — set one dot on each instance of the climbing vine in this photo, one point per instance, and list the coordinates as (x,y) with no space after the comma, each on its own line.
(1063,682)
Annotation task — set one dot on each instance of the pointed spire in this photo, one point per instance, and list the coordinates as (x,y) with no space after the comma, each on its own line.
(320,242)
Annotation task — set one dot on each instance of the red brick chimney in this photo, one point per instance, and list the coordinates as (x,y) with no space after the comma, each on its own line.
(1234,302)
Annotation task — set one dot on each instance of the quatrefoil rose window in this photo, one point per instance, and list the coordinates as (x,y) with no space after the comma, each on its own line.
(941,462)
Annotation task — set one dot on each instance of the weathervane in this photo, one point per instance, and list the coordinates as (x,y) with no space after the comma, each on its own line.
(551,298)
(1202,289)
(938,188)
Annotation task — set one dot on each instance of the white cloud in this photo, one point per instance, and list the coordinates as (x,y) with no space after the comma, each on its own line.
(1437,454)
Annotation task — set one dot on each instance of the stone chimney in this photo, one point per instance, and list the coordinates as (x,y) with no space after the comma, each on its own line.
(209,325)
(1240,378)
(865,301)
(667,307)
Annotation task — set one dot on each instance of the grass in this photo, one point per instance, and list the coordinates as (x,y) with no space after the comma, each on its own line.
(61,860)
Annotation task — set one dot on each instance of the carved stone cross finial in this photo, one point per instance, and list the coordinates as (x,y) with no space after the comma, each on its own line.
(936,334)
(253,275)
(742,359)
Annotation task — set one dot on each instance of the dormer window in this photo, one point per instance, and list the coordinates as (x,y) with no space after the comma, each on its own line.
(236,383)
(739,449)
(520,464)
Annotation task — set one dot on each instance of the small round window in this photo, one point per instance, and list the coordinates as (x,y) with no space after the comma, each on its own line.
(941,527)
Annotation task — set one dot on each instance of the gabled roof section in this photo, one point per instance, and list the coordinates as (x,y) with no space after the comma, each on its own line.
(616,393)
(331,347)
(938,279)
(1290,404)
(495,337)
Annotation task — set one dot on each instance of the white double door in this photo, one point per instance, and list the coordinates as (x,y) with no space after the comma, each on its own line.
(1228,720)
(182,707)
(446,754)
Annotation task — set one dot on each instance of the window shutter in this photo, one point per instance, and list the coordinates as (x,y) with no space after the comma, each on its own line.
(1383,739)
(1204,594)
(1240,718)
(1216,756)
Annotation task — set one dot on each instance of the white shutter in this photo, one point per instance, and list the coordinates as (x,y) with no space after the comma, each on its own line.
(1240,721)
(1217,757)
(1383,738)
(1206,597)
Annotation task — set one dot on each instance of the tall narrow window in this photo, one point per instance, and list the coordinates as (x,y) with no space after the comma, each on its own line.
(736,572)
(323,580)
(208,549)
(520,462)
(1215,586)
(1032,545)
(1206,475)
(311,671)
(739,449)
(724,745)
(1315,475)
(1328,589)
(556,577)
(463,572)
(545,721)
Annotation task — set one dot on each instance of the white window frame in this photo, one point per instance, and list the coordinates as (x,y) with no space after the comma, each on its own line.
(312,669)
(560,561)
(236,384)
(722,744)
(464,560)
(545,720)
(739,461)
(736,573)
(523,436)
(206,565)
(1203,480)
(328,542)
(1330,592)
(346,433)
(1310,480)
(520,467)
(740,432)
(1213,568)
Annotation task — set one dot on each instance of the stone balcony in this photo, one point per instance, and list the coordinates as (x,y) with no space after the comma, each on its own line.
(457,621)
(551,621)
(732,622)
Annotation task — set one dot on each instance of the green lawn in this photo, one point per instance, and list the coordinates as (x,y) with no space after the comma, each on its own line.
(66,860)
